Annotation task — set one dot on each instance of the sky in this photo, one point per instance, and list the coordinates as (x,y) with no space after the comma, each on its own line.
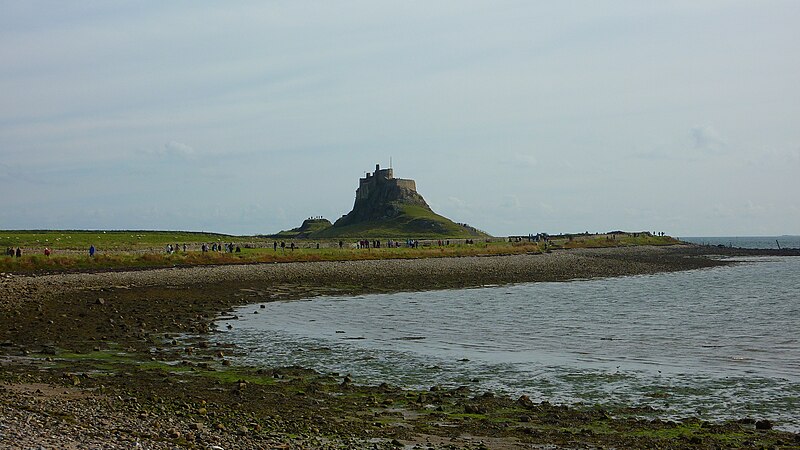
(516,117)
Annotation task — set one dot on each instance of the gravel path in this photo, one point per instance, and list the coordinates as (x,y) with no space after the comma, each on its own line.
(397,274)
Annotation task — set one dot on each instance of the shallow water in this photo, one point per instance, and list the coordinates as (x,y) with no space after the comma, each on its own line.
(768,242)
(716,343)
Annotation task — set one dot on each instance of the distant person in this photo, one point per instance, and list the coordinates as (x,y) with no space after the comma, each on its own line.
(9,251)
(19,252)
(275,246)
(91,250)
(46,251)
(238,249)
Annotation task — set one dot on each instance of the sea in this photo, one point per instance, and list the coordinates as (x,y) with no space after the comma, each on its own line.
(718,343)
(767,242)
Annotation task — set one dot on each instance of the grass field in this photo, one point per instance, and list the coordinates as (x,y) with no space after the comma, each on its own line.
(144,249)
(107,240)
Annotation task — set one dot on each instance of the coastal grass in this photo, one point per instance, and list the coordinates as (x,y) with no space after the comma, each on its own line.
(125,253)
(614,240)
(105,239)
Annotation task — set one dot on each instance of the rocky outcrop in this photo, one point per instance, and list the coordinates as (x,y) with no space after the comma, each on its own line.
(385,207)
(381,197)
(382,201)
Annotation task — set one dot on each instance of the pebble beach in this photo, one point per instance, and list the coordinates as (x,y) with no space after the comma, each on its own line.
(49,402)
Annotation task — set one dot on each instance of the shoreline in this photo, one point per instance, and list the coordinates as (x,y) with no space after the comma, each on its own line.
(547,267)
(60,329)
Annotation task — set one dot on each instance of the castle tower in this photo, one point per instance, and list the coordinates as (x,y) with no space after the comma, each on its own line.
(376,190)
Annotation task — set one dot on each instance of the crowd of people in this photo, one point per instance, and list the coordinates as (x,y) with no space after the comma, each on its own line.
(214,247)
(283,246)
(235,248)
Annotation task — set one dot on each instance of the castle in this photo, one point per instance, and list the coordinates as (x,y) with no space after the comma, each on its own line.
(386,206)
(381,179)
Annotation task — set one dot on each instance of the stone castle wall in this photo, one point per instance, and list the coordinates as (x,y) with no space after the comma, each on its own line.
(406,184)
(381,197)
(381,177)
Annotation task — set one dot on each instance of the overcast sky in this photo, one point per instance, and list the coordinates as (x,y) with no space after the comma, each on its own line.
(512,116)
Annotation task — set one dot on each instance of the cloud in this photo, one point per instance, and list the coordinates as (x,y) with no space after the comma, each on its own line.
(171,150)
(212,110)
(457,202)
(655,151)
(5,171)
(794,156)
(772,159)
(510,201)
(707,139)
(27,175)
(178,149)
(525,160)
(546,207)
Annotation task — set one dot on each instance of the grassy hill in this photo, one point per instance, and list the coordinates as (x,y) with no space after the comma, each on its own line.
(413,221)
(306,230)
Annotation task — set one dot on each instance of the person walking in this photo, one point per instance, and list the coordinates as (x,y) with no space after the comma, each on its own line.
(91,250)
